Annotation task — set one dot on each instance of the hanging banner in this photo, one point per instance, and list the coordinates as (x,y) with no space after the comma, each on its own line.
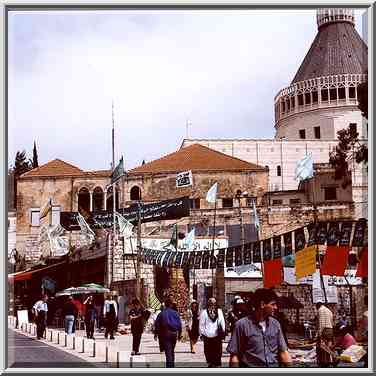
(184,179)
(300,241)
(335,260)
(333,234)
(191,260)
(277,247)
(185,260)
(359,234)
(158,211)
(238,256)
(171,260)
(198,258)
(247,253)
(267,249)
(178,259)
(312,233)
(322,233)
(205,260)
(305,262)
(160,257)
(213,260)
(287,239)
(345,235)
(165,259)
(256,252)
(229,257)
(221,258)
(272,273)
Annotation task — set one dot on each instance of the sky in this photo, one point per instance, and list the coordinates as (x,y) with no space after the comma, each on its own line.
(217,71)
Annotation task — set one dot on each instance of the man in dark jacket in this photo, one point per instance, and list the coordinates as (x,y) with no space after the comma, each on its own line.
(70,314)
(168,327)
(136,316)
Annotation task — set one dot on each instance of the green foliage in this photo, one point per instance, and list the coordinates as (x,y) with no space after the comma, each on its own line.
(21,164)
(35,157)
(362,91)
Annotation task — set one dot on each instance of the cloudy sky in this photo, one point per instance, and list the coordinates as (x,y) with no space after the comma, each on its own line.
(217,70)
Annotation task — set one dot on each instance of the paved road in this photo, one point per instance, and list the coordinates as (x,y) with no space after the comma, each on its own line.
(26,352)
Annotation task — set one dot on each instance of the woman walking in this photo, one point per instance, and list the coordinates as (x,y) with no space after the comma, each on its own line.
(193,317)
(91,316)
(212,330)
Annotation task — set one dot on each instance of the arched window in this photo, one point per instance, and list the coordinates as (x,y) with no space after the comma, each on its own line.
(98,199)
(135,193)
(109,201)
(279,170)
(83,200)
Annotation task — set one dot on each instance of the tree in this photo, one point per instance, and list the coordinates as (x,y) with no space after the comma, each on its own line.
(21,165)
(349,148)
(35,157)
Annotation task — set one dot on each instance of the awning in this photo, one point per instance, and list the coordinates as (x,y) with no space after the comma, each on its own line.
(27,274)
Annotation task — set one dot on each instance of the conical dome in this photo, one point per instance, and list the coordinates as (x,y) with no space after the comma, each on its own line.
(322,97)
(336,49)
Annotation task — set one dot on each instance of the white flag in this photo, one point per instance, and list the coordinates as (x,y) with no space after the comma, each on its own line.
(189,240)
(125,227)
(87,234)
(304,168)
(256,218)
(211,196)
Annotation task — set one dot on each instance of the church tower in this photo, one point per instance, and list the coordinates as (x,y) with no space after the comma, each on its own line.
(322,97)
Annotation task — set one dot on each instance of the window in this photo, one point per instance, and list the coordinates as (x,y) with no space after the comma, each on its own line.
(330,193)
(317,132)
(353,128)
(333,94)
(308,98)
(341,93)
(279,171)
(302,134)
(250,201)
(352,92)
(34,217)
(135,194)
(55,215)
(324,95)
(227,202)
(315,97)
(277,202)
(195,203)
(294,201)
(300,99)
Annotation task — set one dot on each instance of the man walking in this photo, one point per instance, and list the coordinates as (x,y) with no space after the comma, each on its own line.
(168,327)
(257,340)
(136,315)
(212,329)
(325,335)
(110,312)
(40,309)
(70,314)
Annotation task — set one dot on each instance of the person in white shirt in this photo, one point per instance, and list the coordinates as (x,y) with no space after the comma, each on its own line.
(110,313)
(40,309)
(212,330)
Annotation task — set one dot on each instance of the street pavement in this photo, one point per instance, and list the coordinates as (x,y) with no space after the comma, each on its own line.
(27,352)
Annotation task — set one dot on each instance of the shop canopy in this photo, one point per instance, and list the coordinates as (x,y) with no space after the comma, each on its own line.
(28,274)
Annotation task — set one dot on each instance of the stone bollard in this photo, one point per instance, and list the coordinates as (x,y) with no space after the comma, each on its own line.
(138,361)
(101,350)
(70,341)
(65,339)
(88,346)
(112,354)
(125,359)
(50,334)
(80,344)
(55,335)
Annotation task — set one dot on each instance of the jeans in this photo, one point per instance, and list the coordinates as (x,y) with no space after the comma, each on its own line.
(169,342)
(89,325)
(136,341)
(41,324)
(69,321)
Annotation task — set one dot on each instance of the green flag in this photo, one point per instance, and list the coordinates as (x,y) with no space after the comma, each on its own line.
(118,172)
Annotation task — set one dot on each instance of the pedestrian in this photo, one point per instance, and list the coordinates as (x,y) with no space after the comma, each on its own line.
(344,338)
(136,316)
(193,319)
(110,316)
(168,326)
(40,310)
(91,315)
(257,340)
(237,312)
(325,341)
(70,315)
(212,329)
(156,334)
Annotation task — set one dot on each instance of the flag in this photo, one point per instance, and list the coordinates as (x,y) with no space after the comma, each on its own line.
(46,209)
(255,216)
(335,260)
(273,275)
(87,234)
(125,227)
(184,179)
(304,168)
(189,240)
(174,238)
(118,172)
(211,196)
(305,262)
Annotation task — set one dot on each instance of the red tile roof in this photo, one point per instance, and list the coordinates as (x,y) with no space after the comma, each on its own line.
(57,167)
(195,157)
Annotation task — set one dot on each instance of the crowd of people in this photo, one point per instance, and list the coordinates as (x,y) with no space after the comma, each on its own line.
(256,328)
